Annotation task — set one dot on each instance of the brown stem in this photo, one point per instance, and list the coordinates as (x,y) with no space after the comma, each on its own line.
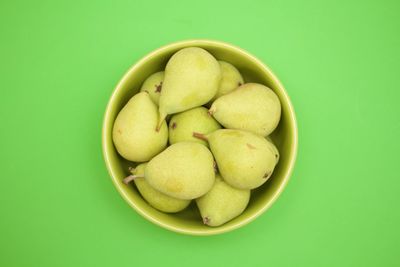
(211,110)
(130,178)
(200,136)
(158,127)
(206,220)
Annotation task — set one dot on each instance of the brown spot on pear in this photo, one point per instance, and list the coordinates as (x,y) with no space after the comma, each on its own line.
(158,88)
(153,85)
(250,146)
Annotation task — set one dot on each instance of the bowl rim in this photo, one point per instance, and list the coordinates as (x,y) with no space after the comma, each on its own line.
(211,230)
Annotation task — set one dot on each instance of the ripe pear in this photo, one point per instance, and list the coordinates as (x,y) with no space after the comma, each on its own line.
(230,79)
(155,198)
(184,170)
(134,133)
(245,160)
(192,77)
(252,107)
(182,125)
(222,203)
(274,149)
(153,85)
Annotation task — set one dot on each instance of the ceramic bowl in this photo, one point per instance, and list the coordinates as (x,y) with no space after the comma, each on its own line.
(285,138)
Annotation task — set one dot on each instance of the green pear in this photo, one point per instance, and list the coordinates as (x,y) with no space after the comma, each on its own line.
(252,107)
(184,170)
(222,203)
(153,85)
(182,125)
(155,198)
(245,160)
(274,149)
(192,78)
(134,133)
(230,79)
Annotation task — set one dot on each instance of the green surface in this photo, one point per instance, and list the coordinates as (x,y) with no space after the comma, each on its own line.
(59,62)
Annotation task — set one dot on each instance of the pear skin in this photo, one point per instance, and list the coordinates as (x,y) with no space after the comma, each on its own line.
(134,132)
(155,198)
(245,160)
(222,203)
(153,85)
(184,170)
(252,107)
(182,125)
(192,78)
(230,79)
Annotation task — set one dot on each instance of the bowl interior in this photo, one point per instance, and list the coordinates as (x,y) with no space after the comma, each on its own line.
(285,137)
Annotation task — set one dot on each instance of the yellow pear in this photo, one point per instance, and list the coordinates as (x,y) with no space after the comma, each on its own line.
(155,198)
(274,149)
(134,132)
(153,85)
(184,170)
(245,160)
(252,107)
(182,125)
(230,79)
(222,203)
(192,77)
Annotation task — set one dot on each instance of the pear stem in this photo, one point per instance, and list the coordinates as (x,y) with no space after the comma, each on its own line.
(130,178)
(200,136)
(211,110)
(160,122)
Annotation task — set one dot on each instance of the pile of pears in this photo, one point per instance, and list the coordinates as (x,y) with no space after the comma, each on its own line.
(197,131)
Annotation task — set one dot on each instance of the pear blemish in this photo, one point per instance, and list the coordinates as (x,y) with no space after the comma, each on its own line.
(215,167)
(158,88)
(250,146)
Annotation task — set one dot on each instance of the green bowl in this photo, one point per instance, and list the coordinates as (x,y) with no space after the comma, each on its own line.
(285,137)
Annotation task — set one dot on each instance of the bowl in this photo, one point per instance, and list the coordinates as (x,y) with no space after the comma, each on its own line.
(189,220)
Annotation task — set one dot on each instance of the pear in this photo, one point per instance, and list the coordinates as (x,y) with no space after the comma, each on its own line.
(245,160)
(274,149)
(230,79)
(222,203)
(182,125)
(155,198)
(184,170)
(153,85)
(192,77)
(252,107)
(134,133)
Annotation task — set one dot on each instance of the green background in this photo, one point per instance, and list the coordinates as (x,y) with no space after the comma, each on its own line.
(339,61)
